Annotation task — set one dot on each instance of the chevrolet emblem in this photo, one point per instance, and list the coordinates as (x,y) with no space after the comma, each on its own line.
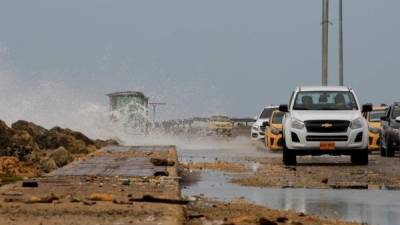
(327,125)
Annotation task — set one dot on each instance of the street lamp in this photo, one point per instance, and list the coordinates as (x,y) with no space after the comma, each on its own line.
(341,69)
(325,27)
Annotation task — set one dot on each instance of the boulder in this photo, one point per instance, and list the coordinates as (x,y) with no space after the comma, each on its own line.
(47,165)
(20,145)
(5,135)
(10,166)
(61,156)
(34,130)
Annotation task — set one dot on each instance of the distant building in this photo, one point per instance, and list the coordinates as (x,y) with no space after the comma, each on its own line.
(130,108)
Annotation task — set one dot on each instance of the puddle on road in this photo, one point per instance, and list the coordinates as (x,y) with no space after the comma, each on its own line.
(369,206)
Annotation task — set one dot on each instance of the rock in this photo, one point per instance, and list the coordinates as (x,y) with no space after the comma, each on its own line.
(162,162)
(264,221)
(101,143)
(30,183)
(161,174)
(87,202)
(74,199)
(47,165)
(10,166)
(34,130)
(122,202)
(5,135)
(282,219)
(101,197)
(61,156)
(125,182)
(20,145)
(12,193)
(44,199)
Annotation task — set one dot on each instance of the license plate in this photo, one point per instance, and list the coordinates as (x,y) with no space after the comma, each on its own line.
(327,146)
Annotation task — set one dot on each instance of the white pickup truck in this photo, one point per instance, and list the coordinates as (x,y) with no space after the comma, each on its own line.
(325,120)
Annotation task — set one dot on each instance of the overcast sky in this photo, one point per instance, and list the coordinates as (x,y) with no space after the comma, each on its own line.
(201,57)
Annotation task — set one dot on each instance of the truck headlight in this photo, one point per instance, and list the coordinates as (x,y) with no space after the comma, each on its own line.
(374,130)
(275,131)
(297,124)
(356,124)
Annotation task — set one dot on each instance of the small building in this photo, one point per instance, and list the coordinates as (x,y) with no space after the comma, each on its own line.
(130,108)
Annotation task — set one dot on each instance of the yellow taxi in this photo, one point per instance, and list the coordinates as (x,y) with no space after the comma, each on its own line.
(374,124)
(273,135)
(220,125)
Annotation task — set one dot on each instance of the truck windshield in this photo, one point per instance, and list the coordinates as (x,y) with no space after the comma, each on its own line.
(325,100)
(375,116)
(267,112)
(277,118)
(396,112)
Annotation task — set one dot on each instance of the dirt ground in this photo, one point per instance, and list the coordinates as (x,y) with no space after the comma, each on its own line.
(326,172)
(206,211)
(102,199)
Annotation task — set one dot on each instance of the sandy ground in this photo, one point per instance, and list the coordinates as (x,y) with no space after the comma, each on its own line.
(207,211)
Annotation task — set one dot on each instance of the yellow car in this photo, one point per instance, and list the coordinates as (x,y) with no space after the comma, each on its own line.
(273,137)
(220,125)
(374,123)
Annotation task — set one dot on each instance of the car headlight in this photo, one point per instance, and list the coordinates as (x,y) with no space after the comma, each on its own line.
(374,130)
(256,128)
(297,124)
(275,131)
(356,124)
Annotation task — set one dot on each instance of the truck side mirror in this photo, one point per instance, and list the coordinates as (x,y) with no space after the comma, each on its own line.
(367,108)
(284,108)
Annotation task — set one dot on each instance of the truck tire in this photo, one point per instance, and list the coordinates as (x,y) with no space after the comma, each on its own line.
(289,157)
(389,148)
(360,158)
(383,151)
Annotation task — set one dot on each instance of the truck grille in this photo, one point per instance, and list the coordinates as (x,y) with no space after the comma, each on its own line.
(315,138)
(327,126)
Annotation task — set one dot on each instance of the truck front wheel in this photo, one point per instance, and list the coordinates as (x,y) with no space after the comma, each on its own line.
(360,157)
(289,157)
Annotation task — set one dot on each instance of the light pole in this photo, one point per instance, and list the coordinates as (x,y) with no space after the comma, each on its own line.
(341,68)
(325,27)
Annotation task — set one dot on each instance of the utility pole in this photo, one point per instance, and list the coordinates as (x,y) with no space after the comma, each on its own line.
(155,104)
(341,69)
(325,30)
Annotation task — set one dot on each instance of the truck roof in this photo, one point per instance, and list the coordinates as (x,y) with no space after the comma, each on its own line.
(323,88)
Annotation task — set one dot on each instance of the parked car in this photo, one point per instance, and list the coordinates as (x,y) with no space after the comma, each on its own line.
(258,128)
(220,125)
(273,137)
(390,131)
(374,126)
(325,120)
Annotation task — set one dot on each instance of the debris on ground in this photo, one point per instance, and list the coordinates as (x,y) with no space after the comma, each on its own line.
(240,212)
(215,165)
(316,172)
